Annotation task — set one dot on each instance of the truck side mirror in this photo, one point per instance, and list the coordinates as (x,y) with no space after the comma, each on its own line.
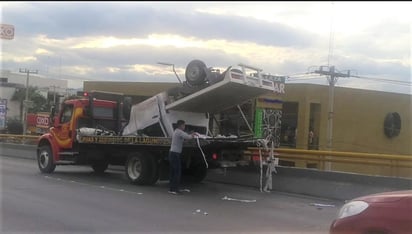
(52,112)
(55,121)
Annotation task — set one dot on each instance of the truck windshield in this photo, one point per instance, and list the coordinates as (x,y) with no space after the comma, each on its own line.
(66,114)
(103,112)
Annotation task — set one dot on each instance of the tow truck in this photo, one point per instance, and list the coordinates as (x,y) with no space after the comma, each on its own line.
(104,128)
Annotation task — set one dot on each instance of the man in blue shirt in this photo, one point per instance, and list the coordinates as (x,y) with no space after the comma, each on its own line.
(174,155)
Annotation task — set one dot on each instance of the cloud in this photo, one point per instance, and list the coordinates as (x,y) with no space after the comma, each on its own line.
(386,40)
(112,41)
(64,20)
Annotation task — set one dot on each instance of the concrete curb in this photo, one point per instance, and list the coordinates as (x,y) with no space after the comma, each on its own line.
(333,185)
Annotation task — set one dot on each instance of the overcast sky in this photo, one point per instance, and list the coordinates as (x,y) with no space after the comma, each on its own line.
(123,41)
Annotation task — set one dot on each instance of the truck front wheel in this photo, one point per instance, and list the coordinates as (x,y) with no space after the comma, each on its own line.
(139,169)
(45,159)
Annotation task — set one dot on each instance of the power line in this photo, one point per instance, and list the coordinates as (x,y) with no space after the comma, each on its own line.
(331,36)
(398,82)
(304,78)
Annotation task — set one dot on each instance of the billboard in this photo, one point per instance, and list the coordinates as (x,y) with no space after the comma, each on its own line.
(3,113)
(6,31)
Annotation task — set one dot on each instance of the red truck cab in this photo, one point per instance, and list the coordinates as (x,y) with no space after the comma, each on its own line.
(58,146)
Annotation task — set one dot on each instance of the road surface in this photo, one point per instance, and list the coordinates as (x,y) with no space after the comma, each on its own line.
(75,200)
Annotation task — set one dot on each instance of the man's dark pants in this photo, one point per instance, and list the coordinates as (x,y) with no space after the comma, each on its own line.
(175,170)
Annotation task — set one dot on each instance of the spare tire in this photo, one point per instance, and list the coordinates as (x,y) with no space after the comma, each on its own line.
(196,72)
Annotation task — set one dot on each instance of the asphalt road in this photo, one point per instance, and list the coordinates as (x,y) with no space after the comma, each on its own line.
(75,200)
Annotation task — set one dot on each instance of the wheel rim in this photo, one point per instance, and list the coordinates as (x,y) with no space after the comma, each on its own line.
(134,168)
(194,73)
(44,158)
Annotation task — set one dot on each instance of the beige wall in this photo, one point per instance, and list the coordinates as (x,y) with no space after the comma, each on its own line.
(128,88)
(358,118)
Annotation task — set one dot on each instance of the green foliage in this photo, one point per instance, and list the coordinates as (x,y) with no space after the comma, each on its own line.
(14,126)
(39,101)
(73,96)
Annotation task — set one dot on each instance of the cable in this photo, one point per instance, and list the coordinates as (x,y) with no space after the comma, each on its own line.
(259,145)
(308,78)
(204,157)
(399,82)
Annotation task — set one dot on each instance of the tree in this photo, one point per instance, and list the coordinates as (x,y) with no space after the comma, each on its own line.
(39,102)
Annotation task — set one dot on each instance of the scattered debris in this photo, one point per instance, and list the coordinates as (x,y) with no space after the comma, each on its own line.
(239,200)
(198,211)
(321,205)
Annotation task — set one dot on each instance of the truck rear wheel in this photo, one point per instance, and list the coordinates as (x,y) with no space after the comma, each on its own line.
(141,169)
(196,173)
(199,172)
(45,159)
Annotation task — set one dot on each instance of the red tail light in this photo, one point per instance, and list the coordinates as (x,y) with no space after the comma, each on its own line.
(256,158)
(214,156)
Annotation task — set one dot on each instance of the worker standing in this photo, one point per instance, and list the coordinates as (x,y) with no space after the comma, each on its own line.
(179,135)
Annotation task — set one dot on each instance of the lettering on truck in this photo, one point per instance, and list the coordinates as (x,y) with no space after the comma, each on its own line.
(125,140)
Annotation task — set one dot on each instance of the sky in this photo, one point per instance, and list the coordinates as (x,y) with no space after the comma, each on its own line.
(124,41)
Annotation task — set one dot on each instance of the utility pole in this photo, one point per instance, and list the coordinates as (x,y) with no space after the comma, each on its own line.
(54,93)
(26,100)
(332,77)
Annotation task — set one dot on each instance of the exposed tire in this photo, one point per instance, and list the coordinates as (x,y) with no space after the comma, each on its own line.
(155,174)
(153,164)
(45,159)
(100,166)
(199,172)
(196,72)
(141,169)
(196,173)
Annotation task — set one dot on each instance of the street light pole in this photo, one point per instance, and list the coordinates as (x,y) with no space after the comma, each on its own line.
(26,100)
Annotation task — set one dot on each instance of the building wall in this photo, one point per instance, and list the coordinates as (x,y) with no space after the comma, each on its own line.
(358,118)
(15,80)
(35,80)
(13,107)
(146,89)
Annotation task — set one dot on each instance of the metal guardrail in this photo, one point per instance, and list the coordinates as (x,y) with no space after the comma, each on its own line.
(19,139)
(320,158)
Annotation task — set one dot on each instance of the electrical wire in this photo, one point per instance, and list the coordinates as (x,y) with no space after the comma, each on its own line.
(398,82)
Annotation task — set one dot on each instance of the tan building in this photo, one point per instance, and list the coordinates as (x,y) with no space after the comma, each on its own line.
(358,122)
(138,90)
(358,119)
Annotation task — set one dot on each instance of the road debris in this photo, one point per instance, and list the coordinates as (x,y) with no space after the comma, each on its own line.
(239,200)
